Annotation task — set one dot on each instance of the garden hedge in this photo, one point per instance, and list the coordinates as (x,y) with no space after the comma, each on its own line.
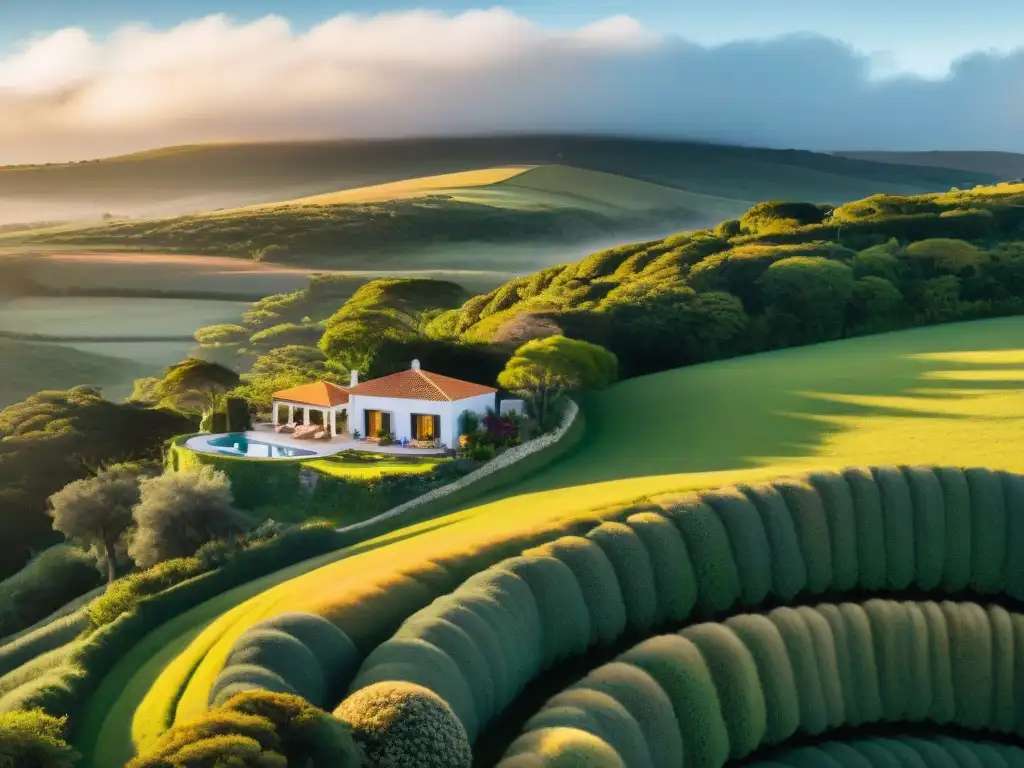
(828,532)
(898,752)
(985,689)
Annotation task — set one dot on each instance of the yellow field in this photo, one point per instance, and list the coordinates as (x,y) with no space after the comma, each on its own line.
(446,183)
(950,394)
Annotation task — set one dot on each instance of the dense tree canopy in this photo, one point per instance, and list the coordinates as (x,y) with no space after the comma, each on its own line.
(54,438)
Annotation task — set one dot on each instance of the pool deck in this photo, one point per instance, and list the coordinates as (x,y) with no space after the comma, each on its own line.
(320,448)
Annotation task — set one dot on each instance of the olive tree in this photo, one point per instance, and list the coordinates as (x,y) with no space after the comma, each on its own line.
(178,512)
(97,511)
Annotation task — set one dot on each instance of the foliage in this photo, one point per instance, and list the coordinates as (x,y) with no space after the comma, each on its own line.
(97,512)
(34,739)
(178,512)
(195,385)
(54,438)
(545,369)
(256,730)
(237,417)
(225,333)
(702,295)
(51,579)
(403,724)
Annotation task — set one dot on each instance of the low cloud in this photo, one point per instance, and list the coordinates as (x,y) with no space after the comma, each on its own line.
(67,95)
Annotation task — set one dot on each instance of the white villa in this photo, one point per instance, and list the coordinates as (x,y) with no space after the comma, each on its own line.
(415,405)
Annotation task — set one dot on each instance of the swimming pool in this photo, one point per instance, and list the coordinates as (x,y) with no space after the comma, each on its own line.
(243,445)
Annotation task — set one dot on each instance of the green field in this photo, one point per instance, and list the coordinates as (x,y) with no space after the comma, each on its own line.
(29,367)
(948,394)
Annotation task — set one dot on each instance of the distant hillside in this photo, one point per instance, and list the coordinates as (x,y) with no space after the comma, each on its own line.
(194,178)
(782,274)
(1005,166)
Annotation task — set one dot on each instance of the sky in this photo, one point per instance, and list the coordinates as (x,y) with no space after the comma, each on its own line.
(84,79)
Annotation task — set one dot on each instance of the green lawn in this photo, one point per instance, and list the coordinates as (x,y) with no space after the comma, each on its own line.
(363,466)
(947,394)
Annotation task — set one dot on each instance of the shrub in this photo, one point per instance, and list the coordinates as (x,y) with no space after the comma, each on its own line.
(739,689)
(455,643)
(600,586)
(748,540)
(399,724)
(812,531)
(789,572)
(837,500)
(867,506)
(237,412)
(276,729)
(970,652)
(633,569)
(565,620)
(988,530)
(898,514)
(675,585)
(718,580)
(600,714)
(1003,661)
(283,655)
(891,630)
(649,705)
(1013,493)
(51,579)
(863,664)
(335,653)
(417,661)
(928,502)
(679,668)
(943,705)
(561,748)
(919,670)
(825,660)
(218,423)
(34,739)
(242,678)
(782,699)
(841,647)
(800,648)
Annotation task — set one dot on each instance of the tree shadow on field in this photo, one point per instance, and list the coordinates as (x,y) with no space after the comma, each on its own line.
(763,409)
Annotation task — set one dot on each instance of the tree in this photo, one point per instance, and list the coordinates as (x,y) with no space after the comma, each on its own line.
(178,512)
(98,511)
(945,254)
(195,385)
(545,369)
(876,303)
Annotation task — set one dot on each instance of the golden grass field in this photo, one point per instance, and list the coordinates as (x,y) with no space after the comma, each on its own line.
(949,394)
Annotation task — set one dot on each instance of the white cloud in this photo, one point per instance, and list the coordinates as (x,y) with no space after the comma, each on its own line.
(423,73)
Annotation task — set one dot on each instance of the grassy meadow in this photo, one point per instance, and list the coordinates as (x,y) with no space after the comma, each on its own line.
(949,394)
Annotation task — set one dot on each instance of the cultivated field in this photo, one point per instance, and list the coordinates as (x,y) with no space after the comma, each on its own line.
(942,395)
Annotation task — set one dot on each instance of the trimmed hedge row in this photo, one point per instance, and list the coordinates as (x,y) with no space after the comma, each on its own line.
(64,690)
(716,692)
(912,752)
(881,528)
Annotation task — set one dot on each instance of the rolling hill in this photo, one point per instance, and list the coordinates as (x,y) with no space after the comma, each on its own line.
(1004,165)
(186,179)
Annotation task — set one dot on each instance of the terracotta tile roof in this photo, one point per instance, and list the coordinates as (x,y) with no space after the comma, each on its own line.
(416,384)
(320,393)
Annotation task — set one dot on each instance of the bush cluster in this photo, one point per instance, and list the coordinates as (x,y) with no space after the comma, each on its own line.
(34,739)
(862,530)
(719,691)
(258,729)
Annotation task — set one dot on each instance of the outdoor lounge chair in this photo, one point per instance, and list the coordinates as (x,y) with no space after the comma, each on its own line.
(322,435)
(285,429)
(306,431)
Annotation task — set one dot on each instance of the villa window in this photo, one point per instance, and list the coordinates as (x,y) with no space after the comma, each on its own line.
(425,426)
(376,422)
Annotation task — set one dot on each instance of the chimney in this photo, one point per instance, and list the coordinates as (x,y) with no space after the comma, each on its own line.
(354,379)
(415,365)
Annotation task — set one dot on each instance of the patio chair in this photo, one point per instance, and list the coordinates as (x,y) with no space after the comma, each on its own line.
(285,429)
(322,435)
(305,432)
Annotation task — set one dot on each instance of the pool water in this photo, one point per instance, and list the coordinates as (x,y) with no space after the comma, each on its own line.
(241,445)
